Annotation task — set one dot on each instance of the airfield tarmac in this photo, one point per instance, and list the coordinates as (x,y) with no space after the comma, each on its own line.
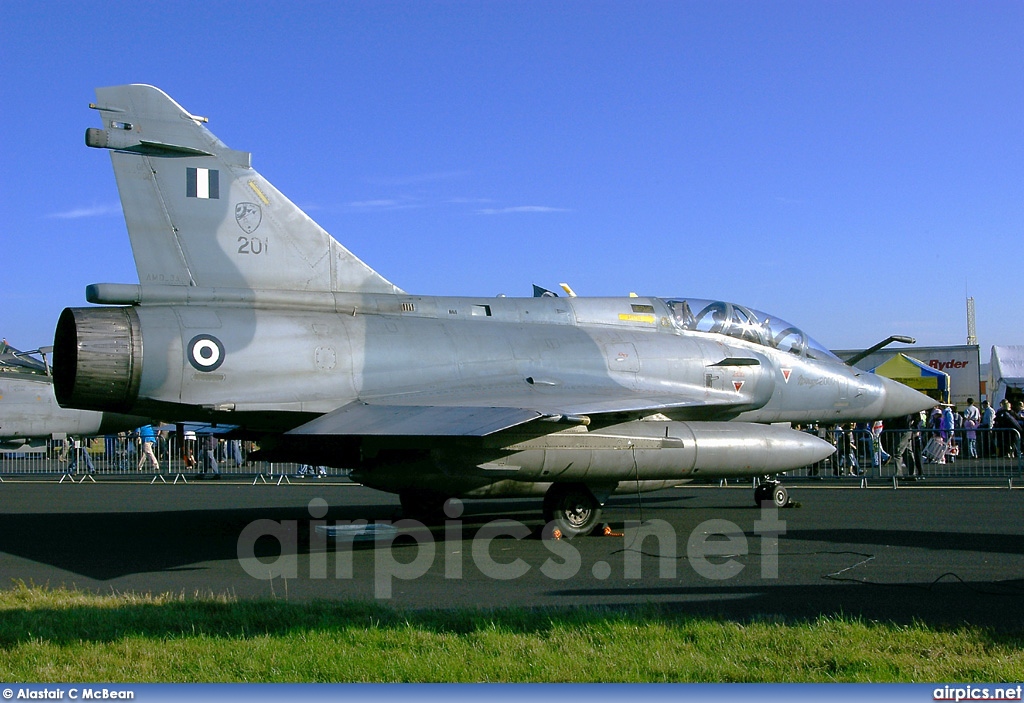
(934,554)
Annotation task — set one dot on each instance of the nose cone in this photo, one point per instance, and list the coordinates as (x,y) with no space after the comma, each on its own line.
(902,400)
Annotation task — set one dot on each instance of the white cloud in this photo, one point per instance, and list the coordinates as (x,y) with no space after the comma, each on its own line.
(383,204)
(83,212)
(519,209)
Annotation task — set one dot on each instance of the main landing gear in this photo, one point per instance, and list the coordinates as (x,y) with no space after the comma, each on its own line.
(771,490)
(570,509)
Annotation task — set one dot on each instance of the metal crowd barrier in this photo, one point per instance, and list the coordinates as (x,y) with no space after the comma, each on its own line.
(993,454)
(119,456)
(952,454)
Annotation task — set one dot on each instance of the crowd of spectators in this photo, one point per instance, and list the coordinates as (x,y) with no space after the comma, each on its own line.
(942,435)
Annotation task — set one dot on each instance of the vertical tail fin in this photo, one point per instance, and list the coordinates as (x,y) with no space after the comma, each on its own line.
(199,215)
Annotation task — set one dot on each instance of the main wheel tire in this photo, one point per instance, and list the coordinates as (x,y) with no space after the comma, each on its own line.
(780,496)
(571,509)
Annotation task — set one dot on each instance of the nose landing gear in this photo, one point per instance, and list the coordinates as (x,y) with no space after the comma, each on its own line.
(771,490)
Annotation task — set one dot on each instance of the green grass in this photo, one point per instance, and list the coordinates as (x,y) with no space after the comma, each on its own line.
(63,635)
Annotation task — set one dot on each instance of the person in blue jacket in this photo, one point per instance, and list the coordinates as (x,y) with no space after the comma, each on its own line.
(147,436)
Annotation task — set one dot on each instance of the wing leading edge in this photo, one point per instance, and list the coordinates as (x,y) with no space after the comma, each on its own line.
(471,415)
(415,420)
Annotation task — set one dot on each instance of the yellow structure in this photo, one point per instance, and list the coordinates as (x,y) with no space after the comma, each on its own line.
(917,375)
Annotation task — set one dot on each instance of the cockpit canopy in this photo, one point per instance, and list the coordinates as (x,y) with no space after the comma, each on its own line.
(720,317)
(14,361)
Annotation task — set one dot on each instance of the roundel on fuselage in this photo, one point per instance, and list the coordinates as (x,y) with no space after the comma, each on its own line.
(205,352)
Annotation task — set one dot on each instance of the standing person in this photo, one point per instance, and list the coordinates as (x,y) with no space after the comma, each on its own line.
(904,439)
(77,449)
(847,449)
(917,424)
(971,412)
(972,419)
(1018,413)
(188,448)
(879,457)
(110,449)
(831,435)
(987,416)
(935,445)
(235,451)
(947,425)
(147,435)
(1007,434)
(125,450)
(163,444)
(209,457)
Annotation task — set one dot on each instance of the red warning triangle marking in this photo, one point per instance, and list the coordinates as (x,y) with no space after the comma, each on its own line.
(737,385)
(786,374)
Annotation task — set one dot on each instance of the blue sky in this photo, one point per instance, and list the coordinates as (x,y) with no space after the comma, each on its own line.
(856,168)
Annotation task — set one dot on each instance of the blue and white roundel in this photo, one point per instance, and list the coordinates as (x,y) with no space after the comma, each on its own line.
(205,352)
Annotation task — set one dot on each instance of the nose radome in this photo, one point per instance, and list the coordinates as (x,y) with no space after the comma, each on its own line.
(902,400)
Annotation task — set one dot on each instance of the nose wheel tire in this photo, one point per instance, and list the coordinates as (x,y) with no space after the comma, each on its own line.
(571,509)
(774,492)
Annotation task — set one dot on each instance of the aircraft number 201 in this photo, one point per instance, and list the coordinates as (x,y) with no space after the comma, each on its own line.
(252,245)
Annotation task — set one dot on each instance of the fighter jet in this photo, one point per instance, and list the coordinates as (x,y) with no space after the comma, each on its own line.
(29,414)
(248,313)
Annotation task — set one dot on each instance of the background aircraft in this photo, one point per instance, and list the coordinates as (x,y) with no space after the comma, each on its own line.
(248,313)
(29,413)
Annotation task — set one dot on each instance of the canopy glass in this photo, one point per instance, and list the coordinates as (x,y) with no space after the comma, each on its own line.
(732,320)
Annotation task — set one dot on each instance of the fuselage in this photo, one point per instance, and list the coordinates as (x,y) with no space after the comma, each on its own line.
(274,354)
(29,411)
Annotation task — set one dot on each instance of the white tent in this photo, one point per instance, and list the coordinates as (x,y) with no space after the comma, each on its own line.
(1006,373)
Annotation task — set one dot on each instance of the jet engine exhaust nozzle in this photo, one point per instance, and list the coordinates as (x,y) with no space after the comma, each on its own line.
(97,359)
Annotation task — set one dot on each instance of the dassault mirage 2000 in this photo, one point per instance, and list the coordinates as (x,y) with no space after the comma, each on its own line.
(250,314)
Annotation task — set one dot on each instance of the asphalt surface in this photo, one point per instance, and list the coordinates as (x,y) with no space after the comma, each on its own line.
(938,555)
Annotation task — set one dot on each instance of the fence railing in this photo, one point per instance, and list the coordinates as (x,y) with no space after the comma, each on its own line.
(963,454)
(989,454)
(124,456)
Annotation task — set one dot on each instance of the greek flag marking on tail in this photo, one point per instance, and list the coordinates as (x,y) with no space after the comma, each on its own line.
(202,183)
